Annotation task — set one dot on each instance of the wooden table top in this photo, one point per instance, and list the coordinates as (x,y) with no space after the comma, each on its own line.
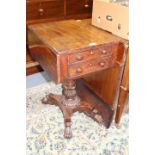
(66,35)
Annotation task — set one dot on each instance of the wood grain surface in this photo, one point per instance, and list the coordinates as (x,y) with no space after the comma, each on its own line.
(72,34)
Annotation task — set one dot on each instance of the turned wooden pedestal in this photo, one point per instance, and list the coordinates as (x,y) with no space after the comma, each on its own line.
(70,101)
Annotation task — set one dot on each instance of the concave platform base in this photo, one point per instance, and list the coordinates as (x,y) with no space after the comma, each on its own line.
(82,100)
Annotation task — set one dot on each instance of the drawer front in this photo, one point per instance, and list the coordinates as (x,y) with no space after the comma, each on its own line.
(75,7)
(32,10)
(78,69)
(88,54)
(44,9)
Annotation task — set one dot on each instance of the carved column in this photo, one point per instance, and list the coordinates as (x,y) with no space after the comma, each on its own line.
(70,98)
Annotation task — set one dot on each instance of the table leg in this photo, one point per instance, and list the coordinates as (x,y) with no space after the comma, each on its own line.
(66,102)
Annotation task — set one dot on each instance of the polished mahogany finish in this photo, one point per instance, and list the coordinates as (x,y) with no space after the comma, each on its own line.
(69,50)
(38,11)
(105,83)
(62,37)
(112,85)
(43,9)
(97,52)
(74,7)
(91,66)
(123,92)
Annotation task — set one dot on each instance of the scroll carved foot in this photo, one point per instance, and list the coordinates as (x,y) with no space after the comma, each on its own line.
(68,131)
(51,99)
(97,116)
(45,100)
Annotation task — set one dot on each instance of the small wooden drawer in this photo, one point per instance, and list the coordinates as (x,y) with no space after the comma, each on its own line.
(75,7)
(88,54)
(91,66)
(44,9)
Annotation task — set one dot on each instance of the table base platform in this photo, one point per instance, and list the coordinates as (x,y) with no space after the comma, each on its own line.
(81,99)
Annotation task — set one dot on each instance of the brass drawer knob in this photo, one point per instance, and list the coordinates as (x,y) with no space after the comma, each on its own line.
(86,6)
(41,11)
(102,64)
(79,57)
(79,70)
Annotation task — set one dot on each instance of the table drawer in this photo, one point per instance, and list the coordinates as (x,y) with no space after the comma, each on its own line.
(88,54)
(94,65)
(44,9)
(75,7)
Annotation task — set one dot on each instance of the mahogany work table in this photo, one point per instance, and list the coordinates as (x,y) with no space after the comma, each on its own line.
(67,51)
